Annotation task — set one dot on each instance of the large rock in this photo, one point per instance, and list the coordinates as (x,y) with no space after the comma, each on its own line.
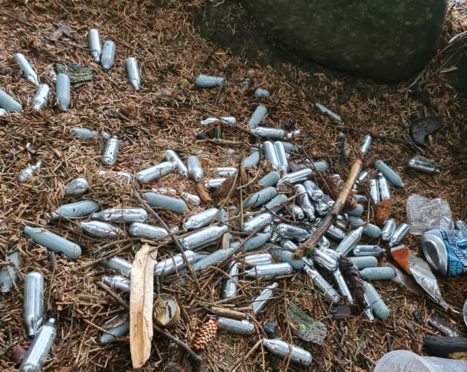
(385,40)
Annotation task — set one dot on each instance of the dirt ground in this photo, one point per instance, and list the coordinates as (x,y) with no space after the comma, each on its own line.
(165,39)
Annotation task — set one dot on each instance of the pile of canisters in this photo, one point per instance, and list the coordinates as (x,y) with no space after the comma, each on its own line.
(282,214)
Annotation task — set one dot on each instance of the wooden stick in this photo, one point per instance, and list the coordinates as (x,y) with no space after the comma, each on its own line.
(336,209)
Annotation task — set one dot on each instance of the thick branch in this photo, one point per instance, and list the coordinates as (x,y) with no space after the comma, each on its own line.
(336,209)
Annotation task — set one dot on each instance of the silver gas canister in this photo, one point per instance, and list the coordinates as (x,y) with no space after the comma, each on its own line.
(143,230)
(383,186)
(269,179)
(269,271)
(337,118)
(201,219)
(342,285)
(260,197)
(214,183)
(251,160)
(270,154)
(292,232)
(33,302)
(446,250)
(296,211)
(115,328)
(239,327)
(350,241)
(227,120)
(155,172)
(180,166)
(362,176)
(326,258)
(389,173)
(119,264)
(191,198)
(204,237)
(303,200)
(41,97)
(26,69)
(365,145)
(8,103)
(8,273)
(76,209)
(374,191)
(257,222)
(257,116)
(63,91)
(231,284)
(132,71)
(117,282)
(206,81)
(284,350)
(121,215)
(94,41)
(108,55)
(281,156)
(120,176)
(76,187)
(277,203)
(40,347)
(156,200)
(83,133)
(283,255)
(174,263)
(388,229)
(367,250)
(53,242)
(257,259)
(320,283)
(259,303)
(256,241)
(109,157)
(266,132)
(399,234)
(214,258)
(100,229)
(29,171)
(195,170)
(296,177)
(422,164)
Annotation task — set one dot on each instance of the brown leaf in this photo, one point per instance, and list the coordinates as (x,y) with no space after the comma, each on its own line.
(383,212)
(203,194)
(223,190)
(141,305)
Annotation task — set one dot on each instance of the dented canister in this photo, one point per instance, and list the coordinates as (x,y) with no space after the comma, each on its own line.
(41,97)
(155,172)
(26,69)
(109,157)
(76,187)
(180,166)
(100,229)
(121,215)
(33,302)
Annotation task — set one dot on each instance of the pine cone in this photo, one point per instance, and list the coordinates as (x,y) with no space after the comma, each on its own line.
(354,280)
(383,212)
(204,335)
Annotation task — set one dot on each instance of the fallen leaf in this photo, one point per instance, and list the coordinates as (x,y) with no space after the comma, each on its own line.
(141,306)
(383,212)
(223,190)
(202,192)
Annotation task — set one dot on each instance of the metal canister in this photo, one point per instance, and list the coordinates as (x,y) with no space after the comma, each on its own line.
(289,245)
(399,234)
(388,229)
(63,91)
(206,81)
(364,261)
(154,172)
(257,259)
(76,187)
(117,282)
(374,300)
(372,231)
(362,176)
(226,171)
(156,200)
(251,160)
(446,250)
(204,237)
(422,164)
(276,203)
(195,170)
(281,156)
(378,273)
(365,145)
(367,250)
(356,221)
(320,283)
(173,157)
(296,211)
(303,200)
(335,233)
(292,232)
(100,229)
(75,210)
(33,302)
(53,242)
(83,133)
(119,264)
(326,258)
(109,157)
(256,241)
(214,183)
(269,271)
(374,191)
(115,328)
(231,284)
(350,241)
(270,154)
(214,258)
(26,69)
(329,113)
(342,285)
(257,116)
(143,230)
(8,103)
(108,55)
(284,350)
(8,273)
(284,255)
(191,198)
(261,93)
(259,303)
(40,348)
(266,132)
(296,177)
(41,97)
(389,173)
(174,263)
(383,186)
(201,219)
(94,44)
(260,197)
(121,215)
(257,222)
(239,327)
(132,71)
(228,120)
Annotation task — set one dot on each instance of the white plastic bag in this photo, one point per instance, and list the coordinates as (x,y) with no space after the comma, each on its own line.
(424,214)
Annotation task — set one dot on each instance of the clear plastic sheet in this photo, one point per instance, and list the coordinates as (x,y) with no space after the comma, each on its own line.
(424,214)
